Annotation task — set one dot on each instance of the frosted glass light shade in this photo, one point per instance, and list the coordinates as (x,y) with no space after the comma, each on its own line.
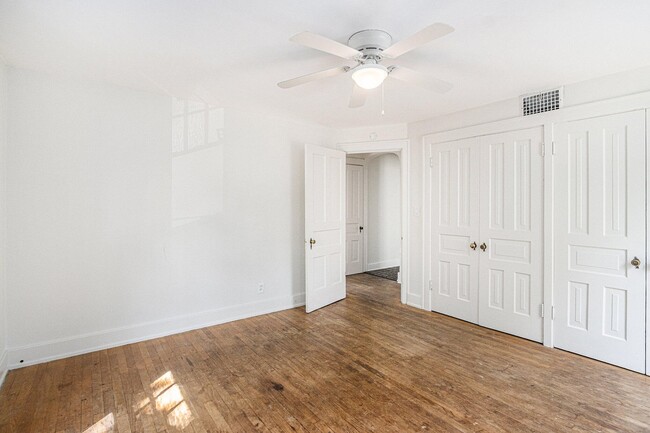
(369,76)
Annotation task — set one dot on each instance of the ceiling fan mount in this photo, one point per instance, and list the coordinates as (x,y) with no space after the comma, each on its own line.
(369,48)
(370,42)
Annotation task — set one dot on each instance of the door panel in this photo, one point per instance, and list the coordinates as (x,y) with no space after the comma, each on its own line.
(354,221)
(454,226)
(511,268)
(324,226)
(599,296)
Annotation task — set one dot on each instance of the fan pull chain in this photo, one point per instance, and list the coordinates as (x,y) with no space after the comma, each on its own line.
(382,99)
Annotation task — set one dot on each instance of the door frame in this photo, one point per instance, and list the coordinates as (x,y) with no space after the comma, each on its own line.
(647,243)
(401,149)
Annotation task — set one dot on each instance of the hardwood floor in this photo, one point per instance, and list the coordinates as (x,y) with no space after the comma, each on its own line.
(365,364)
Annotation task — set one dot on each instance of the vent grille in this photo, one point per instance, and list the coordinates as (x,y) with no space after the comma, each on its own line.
(536,103)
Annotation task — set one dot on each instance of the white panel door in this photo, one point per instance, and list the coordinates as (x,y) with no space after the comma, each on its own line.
(324,226)
(511,268)
(599,294)
(455,228)
(354,245)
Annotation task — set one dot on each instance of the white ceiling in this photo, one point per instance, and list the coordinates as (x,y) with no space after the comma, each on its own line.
(232,52)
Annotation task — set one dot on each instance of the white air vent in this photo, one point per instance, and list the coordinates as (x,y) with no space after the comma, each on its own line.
(535,103)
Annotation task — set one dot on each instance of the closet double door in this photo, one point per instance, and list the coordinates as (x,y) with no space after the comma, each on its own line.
(486,198)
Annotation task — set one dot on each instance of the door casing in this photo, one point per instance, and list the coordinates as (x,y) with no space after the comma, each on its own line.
(401,148)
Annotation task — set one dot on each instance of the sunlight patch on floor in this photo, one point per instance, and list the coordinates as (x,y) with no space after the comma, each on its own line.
(104,425)
(167,398)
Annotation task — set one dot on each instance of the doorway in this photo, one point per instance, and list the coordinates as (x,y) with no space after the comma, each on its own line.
(377,224)
(325,219)
(373,229)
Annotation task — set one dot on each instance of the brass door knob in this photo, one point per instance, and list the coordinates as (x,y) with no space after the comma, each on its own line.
(636,262)
(311,243)
(483,246)
(473,246)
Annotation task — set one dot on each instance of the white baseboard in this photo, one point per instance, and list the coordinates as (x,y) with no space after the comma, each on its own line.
(414,300)
(91,342)
(3,367)
(383,264)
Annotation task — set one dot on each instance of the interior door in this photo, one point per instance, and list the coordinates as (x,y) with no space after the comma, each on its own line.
(599,283)
(455,228)
(511,258)
(324,226)
(354,244)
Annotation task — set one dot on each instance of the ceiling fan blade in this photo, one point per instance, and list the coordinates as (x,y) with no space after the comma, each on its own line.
(424,36)
(358,97)
(419,79)
(318,42)
(313,77)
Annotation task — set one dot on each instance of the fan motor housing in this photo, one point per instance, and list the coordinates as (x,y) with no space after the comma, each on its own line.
(370,42)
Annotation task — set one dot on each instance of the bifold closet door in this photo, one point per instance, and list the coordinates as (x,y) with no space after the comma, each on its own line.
(511,228)
(599,207)
(455,228)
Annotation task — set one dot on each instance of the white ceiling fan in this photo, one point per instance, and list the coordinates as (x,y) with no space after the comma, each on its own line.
(369,48)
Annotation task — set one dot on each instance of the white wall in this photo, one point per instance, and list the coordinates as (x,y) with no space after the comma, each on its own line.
(602,88)
(371,133)
(113,238)
(3,221)
(384,209)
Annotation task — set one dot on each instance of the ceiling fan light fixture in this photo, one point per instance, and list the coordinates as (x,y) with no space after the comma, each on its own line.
(369,76)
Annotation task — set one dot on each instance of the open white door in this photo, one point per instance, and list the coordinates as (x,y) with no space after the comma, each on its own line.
(324,226)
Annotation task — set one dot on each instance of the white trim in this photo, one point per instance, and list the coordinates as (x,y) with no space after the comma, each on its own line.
(3,367)
(547,242)
(355,161)
(647,255)
(91,342)
(426,224)
(365,215)
(374,146)
(383,264)
(414,301)
(401,148)
(622,104)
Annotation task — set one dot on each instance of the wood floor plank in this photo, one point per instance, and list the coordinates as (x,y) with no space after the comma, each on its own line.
(367,363)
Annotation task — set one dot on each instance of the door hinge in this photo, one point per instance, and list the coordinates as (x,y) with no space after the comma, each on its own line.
(553,147)
(543,149)
(430,285)
(541,310)
(552,313)
(431,161)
